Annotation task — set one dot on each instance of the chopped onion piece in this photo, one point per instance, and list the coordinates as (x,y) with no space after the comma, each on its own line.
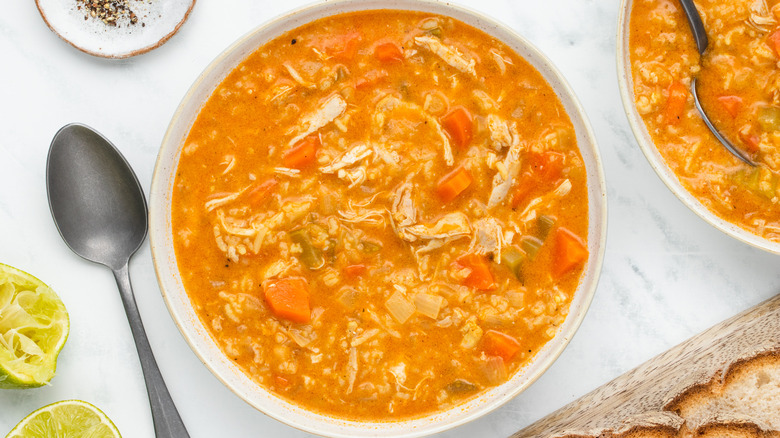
(428,305)
(399,307)
(494,370)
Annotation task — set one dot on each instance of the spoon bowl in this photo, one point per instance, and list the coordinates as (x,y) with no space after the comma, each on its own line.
(100,211)
(95,198)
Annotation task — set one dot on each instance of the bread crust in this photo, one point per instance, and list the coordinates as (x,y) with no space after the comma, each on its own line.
(724,382)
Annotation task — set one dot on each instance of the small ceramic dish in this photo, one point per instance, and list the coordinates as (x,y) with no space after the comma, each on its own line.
(155,23)
(198,336)
(652,153)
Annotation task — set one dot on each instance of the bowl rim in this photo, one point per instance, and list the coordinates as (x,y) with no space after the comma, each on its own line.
(652,154)
(473,409)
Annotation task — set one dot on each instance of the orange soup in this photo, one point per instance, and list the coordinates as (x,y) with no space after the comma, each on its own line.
(739,86)
(381,214)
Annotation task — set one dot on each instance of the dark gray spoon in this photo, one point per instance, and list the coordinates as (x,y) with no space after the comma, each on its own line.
(100,211)
(700,36)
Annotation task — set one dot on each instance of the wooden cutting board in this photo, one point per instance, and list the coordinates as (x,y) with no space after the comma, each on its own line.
(643,396)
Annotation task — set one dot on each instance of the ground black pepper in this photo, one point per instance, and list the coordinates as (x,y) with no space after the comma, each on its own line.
(111,12)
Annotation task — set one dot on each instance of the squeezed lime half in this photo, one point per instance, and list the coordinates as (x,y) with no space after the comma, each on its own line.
(66,419)
(33,328)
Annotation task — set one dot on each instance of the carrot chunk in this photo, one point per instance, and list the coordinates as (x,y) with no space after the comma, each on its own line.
(774,42)
(259,192)
(343,46)
(569,252)
(354,270)
(547,166)
(525,184)
(288,298)
(453,184)
(371,78)
(495,343)
(458,125)
(303,153)
(675,103)
(732,104)
(480,277)
(388,52)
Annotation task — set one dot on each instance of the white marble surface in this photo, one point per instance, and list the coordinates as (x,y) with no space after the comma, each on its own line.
(667,274)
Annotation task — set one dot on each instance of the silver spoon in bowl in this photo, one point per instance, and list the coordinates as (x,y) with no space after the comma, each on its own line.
(700,36)
(100,211)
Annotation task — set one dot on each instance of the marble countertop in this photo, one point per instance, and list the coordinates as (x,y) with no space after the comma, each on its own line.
(667,274)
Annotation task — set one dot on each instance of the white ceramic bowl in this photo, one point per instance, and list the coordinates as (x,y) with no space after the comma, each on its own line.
(654,156)
(161,235)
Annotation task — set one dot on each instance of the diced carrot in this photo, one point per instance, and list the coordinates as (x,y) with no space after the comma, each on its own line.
(525,184)
(343,46)
(458,125)
(495,343)
(569,252)
(370,78)
(480,276)
(547,166)
(675,103)
(751,142)
(259,192)
(388,52)
(288,298)
(453,184)
(732,104)
(354,270)
(303,153)
(774,42)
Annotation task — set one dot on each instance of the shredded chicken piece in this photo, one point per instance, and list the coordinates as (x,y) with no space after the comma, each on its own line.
(402,210)
(500,60)
(432,244)
(229,161)
(391,103)
(297,77)
(357,212)
(219,202)
(349,158)
(450,55)
(760,16)
(294,173)
(488,237)
(499,132)
(353,176)
(332,108)
(363,337)
(502,183)
(452,226)
(529,212)
(352,368)
(233,229)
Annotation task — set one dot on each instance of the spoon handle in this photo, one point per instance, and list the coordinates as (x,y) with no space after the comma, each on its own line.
(697,27)
(167,422)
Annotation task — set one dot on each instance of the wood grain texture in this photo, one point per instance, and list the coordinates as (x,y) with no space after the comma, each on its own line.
(647,395)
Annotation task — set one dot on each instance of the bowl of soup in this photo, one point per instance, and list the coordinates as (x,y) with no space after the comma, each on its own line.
(738,87)
(373,217)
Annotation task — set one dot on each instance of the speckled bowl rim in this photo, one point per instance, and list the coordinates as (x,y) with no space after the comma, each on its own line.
(123,55)
(161,235)
(652,154)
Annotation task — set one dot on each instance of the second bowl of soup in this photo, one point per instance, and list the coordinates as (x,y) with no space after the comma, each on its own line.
(738,86)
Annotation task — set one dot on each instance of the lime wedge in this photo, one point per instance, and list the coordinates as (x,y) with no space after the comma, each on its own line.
(66,419)
(33,328)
